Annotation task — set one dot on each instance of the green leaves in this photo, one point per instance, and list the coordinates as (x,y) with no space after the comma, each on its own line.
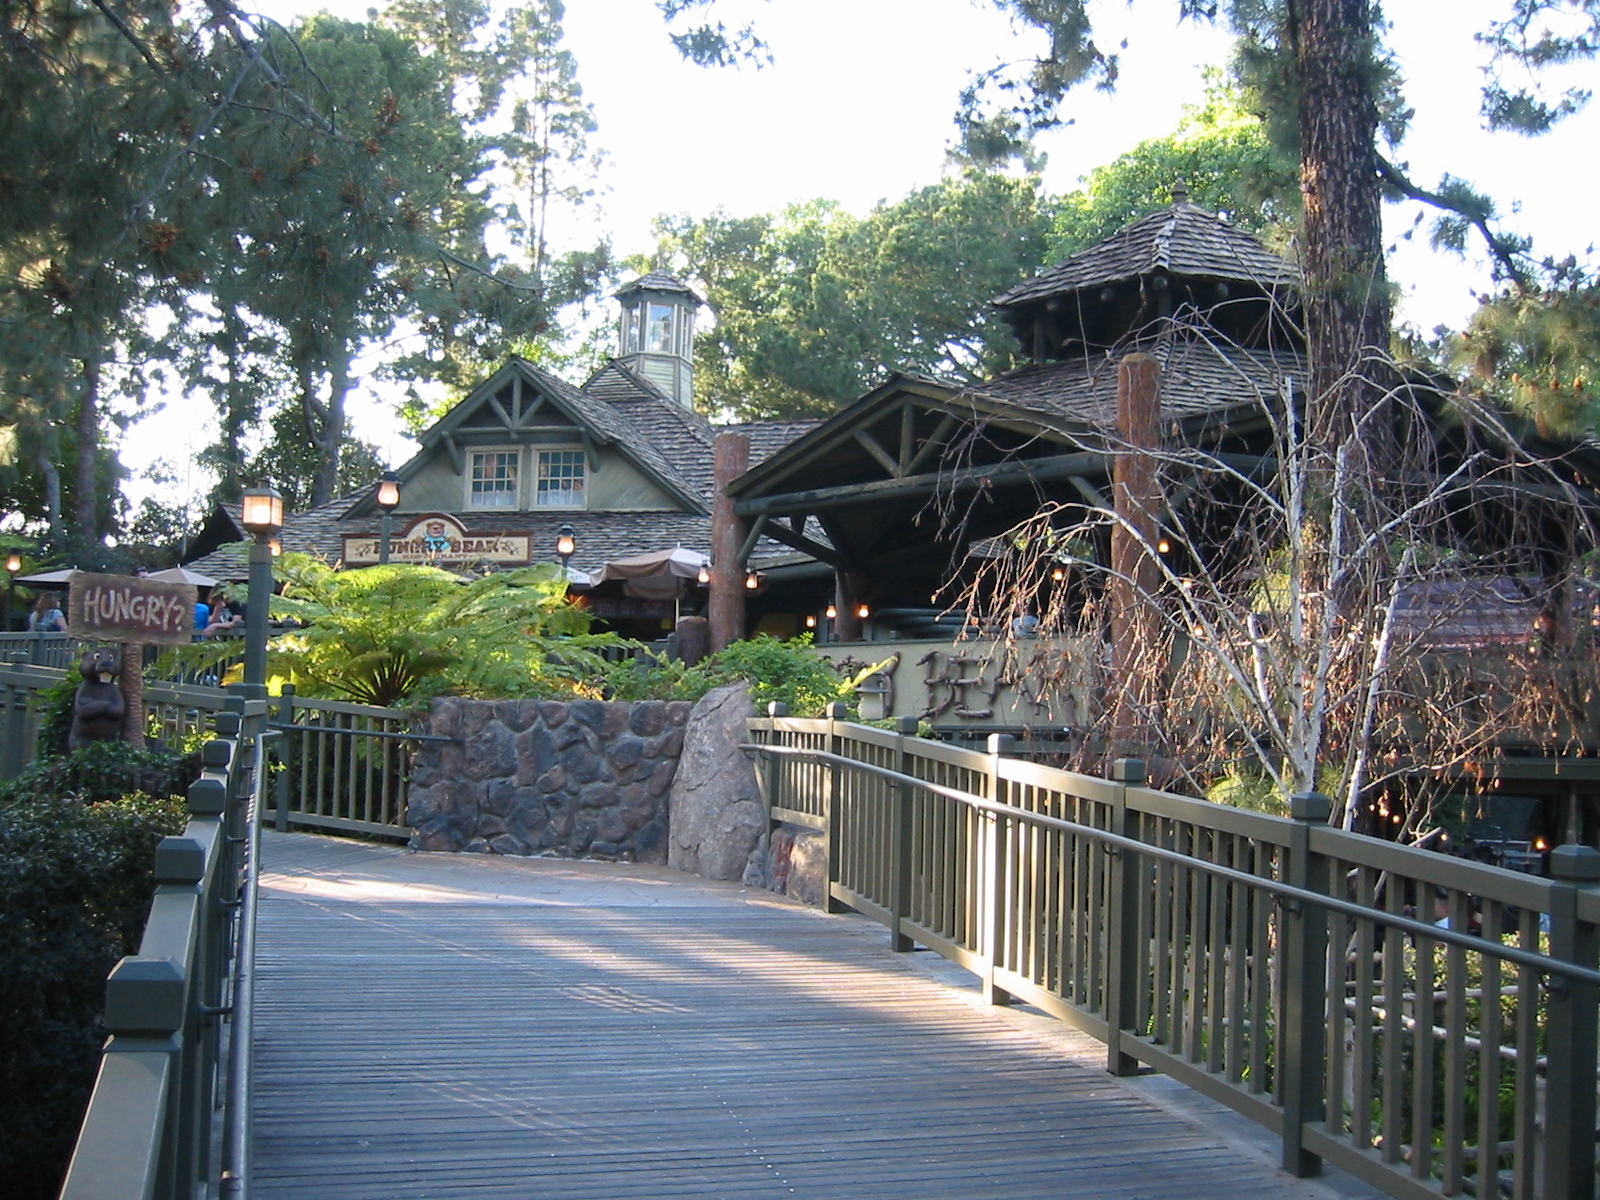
(813,304)
(387,634)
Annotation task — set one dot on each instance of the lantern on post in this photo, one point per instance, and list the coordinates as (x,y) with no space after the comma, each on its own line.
(566,544)
(388,501)
(13,565)
(262,517)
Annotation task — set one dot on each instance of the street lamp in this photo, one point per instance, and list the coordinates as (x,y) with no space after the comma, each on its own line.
(566,544)
(262,517)
(704,576)
(388,500)
(13,565)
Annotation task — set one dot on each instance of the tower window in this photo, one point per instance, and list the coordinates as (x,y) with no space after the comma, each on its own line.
(630,330)
(561,478)
(658,332)
(494,480)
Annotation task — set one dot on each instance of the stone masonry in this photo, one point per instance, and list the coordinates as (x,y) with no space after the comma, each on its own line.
(538,776)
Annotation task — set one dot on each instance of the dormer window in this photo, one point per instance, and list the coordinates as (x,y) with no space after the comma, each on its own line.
(493,482)
(560,483)
(630,330)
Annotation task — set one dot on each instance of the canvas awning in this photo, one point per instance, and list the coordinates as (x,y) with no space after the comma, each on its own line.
(656,576)
(183,575)
(63,576)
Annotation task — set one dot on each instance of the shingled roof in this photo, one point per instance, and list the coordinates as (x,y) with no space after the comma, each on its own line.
(1182,240)
(1197,377)
(657,281)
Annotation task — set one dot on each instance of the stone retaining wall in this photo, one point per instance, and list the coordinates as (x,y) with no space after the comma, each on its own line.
(533,776)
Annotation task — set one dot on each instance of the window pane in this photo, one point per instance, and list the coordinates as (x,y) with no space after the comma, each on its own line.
(561,477)
(494,480)
(659,334)
(630,330)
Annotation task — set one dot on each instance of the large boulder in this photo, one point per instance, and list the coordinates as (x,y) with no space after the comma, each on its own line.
(717,817)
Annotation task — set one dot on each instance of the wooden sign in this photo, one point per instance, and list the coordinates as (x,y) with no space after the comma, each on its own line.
(437,540)
(121,608)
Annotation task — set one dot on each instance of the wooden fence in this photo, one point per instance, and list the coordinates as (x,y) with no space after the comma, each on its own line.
(1427,1024)
(335,767)
(343,767)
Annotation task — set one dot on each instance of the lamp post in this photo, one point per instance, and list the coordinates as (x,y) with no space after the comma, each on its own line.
(388,501)
(13,565)
(263,517)
(566,544)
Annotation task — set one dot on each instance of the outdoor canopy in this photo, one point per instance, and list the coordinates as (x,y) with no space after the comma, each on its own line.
(655,576)
(183,575)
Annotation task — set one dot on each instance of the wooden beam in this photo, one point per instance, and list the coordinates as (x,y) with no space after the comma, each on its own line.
(870,444)
(756,530)
(941,431)
(1015,471)
(591,452)
(1089,492)
(516,400)
(499,411)
(908,437)
(531,411)
(805,545)
(458,459)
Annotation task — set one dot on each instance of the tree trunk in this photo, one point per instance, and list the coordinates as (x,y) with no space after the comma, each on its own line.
(325,424)
(725,605)
(132,683)
(238,413)
(52,495)
(86,494)
(1347,291)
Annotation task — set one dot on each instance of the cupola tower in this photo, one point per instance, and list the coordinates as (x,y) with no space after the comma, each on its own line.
(656,336)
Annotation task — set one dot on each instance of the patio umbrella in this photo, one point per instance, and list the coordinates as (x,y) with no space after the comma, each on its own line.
(183,575)
(64,576)
(655,576)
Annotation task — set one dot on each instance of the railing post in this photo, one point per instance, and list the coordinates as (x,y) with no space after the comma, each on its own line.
(900,838)
(1122,921)
(17,700)
(1571,1037)
(280,791)
(994,897)
(768,772)
(830,834)
(1303,930)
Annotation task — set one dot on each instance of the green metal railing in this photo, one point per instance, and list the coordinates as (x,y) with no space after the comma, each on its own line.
(1425,1023)
(343,767)
(178,1012)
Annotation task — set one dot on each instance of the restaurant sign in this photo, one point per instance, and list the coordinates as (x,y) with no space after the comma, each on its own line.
(118,608)
(439,540)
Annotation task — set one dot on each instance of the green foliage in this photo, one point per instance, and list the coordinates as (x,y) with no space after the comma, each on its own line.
(1224,155)
(75,887)
(103,771)
(388,634)
(812,304)
(789,672)
(1538,351)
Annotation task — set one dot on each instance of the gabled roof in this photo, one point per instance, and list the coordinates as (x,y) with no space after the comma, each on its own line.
(600,420)
(1183,240)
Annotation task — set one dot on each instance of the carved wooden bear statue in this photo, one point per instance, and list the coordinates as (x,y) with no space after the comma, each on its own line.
(99,709)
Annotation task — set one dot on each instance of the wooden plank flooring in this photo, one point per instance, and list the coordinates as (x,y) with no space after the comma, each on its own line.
(442,1026)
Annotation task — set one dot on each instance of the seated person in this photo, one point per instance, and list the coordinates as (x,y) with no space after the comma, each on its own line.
(47,616)
(227,615)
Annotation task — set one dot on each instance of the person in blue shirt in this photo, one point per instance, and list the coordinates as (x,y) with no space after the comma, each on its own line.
(202,616)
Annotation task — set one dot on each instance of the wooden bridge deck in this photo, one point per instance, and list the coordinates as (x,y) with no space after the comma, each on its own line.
(440,1026)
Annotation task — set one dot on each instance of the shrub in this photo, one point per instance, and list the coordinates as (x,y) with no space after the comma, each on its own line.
(102,772)
(75,889)
(789,672)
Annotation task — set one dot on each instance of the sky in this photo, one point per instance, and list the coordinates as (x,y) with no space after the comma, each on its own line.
(857,108)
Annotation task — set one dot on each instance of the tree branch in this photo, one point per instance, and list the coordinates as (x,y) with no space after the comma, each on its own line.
(1498,248)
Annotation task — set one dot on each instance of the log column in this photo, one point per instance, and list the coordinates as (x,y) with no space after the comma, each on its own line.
(849,588)
(730,459)
(1135,577)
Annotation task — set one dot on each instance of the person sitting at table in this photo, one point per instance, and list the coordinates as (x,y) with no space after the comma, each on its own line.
(47,616)
(227,615)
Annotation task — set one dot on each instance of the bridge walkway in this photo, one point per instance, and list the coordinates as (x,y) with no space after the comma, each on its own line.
(476,1028)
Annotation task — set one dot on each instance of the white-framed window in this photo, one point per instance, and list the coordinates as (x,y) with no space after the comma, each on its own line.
(630,330)
(560,481)
(492,482)
(658,329)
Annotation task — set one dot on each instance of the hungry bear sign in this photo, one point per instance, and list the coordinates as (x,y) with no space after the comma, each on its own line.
(117,608)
